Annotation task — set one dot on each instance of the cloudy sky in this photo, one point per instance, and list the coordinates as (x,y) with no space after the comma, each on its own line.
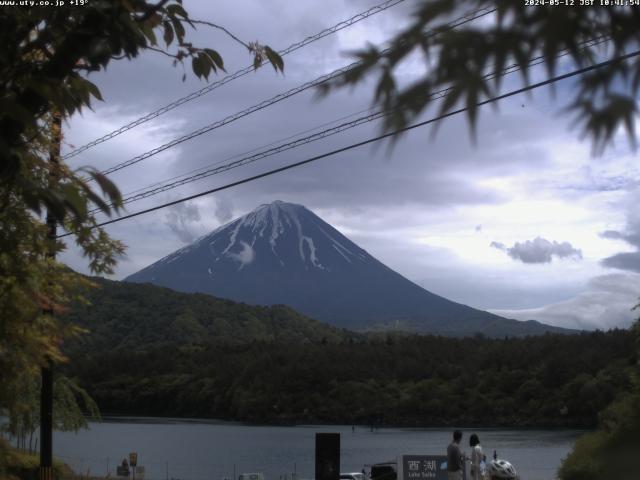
(525,222)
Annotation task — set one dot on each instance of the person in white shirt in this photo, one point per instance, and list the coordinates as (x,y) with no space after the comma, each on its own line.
(477,458)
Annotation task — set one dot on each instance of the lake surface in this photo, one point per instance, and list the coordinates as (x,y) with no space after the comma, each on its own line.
(199,449)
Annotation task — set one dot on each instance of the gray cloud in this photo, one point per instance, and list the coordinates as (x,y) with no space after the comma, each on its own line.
(441,173)
(606,303)
(386,198)
(180,219)
(633,238)
(539,250)
(223,210)
(623,261)
(592,181)
(631,234)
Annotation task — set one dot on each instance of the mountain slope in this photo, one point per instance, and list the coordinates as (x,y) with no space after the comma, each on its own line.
(130,316)
(282,253)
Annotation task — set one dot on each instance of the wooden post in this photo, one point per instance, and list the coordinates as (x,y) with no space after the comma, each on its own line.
(46,391)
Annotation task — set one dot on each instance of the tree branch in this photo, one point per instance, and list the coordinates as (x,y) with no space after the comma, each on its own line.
(219,27)
(159,50)
(151,10)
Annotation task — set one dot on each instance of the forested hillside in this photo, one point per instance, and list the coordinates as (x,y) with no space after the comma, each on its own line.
(552,380)
(140,316)
(282,253)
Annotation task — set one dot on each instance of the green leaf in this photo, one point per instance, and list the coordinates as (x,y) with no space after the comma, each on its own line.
(149,33)
(32,198)
(178,29)
(94,90)
(99,202)
(206,64)
(176,9)
(154,21)
(54,203)
(216,58)
(168,33)
(77,204)
(196,67)
(274,58)
(386,86)
(127,5)
(16,111)
(108,187)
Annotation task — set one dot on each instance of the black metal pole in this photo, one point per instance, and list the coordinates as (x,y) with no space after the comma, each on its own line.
(327,456)
(46,391)
(46,423)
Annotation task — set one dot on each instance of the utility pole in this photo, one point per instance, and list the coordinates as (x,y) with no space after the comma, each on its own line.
(46,391)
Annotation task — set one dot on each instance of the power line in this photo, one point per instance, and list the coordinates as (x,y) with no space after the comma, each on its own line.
(255,157)
(248,152)
(370,140)
(246,157)
(273,100)
(184,179)
(244,71)
(251,157)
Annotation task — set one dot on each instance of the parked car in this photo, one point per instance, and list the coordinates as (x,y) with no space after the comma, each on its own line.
(384,471)
(352,476)
(251,476)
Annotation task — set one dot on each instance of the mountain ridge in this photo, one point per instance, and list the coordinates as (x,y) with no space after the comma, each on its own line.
(282,253)
(127,316)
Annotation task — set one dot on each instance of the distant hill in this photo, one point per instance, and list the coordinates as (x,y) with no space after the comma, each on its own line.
(135,316)
(282,253)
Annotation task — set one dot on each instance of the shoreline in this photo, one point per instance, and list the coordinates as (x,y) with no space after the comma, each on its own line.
(161,420)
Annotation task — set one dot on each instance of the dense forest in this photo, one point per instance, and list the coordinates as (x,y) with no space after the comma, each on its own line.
(122,315)
(551,380)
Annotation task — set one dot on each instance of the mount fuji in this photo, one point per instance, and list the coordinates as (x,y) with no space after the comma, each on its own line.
(282,253)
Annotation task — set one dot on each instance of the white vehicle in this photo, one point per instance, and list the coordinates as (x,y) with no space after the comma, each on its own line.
(352,476)
(251,476)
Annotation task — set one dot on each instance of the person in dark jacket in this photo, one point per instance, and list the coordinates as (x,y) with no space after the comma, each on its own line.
(455,457)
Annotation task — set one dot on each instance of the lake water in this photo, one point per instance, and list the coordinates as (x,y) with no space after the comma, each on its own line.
(199,449)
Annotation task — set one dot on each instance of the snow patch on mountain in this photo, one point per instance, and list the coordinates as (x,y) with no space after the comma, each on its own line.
(274,222)
(245,256)
(234,234)
(270,221)
(341,249)
(312,252)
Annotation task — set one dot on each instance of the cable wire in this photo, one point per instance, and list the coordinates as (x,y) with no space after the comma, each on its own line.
(469,17)
(352,146)
(250,157)
(253,158)
(240,73)
(253,150)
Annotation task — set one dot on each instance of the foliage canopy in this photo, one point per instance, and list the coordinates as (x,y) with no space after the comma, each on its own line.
(462,60)
(45,56)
